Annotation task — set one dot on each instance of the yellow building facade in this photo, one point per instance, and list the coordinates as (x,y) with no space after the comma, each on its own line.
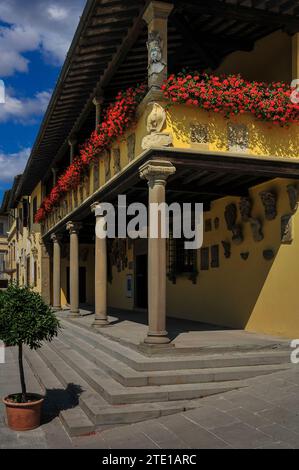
(244,171)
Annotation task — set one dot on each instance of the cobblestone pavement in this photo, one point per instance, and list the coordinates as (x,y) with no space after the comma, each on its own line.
(263,415)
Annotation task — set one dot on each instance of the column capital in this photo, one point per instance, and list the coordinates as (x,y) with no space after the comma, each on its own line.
(157,10)
(156,171)
(72,140)
(56,237)
(73,227)
(98,100)
(97,209)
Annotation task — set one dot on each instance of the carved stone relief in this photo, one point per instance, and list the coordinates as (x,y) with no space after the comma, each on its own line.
(286,229)
(238,137)
(268,254)
(269,200)
(245,206)
(199,134)
(155,123)
(227,248)
(230,216)
(116,160)
(293,196)
(257,229)
(131,143)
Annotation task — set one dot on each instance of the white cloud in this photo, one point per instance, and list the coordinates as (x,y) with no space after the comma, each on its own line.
(13,164)
(43,25)
(26,110)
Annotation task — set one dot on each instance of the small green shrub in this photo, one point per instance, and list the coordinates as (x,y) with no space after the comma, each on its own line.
(25,319)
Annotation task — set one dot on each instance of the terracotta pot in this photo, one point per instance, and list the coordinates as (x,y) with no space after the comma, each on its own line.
(24,416)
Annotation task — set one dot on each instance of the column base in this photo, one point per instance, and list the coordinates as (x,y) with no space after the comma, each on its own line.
(157,338)
(56,309)
(100,323)
(150,349)
(74,314)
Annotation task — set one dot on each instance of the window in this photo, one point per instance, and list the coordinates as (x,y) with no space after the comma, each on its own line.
(1,228)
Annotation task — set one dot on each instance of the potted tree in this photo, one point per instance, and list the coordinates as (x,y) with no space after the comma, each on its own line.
(25,319)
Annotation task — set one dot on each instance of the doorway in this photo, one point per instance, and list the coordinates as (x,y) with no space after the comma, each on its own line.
(82,285)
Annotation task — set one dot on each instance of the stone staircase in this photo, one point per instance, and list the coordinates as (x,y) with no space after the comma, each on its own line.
(107,383)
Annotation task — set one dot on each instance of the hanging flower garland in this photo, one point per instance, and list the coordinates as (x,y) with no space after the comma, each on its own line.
(232,95)
(227,95)
(118,117)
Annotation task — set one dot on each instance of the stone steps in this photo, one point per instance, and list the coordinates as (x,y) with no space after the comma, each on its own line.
(129,377)
(115,393)
(138,362)
(98,382)
(85,413)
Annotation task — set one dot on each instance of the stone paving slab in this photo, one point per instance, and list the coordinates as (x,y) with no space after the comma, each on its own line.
(247,418)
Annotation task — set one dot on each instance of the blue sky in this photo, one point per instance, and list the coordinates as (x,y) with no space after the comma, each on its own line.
(34,38)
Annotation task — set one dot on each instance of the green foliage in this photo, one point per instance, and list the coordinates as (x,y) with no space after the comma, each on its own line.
(25,318)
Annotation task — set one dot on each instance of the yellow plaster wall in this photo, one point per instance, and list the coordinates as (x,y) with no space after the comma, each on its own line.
(265,139)
(255,294)
(270,60)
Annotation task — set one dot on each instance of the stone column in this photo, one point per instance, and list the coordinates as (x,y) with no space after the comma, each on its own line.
(101,318)
(72,144)
(54,173)
(156,172)
(98,101)
(74,228)
(156,17)
(56,271)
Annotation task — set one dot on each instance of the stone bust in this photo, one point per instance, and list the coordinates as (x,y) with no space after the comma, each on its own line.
(154,45)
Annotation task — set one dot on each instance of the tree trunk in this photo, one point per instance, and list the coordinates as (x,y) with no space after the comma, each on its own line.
(22,375)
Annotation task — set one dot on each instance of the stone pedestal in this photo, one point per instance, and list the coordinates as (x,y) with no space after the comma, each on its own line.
(74,228)
(156,172)
(101,319)
(156,17)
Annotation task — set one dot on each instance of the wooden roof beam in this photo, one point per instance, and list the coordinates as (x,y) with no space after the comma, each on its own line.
(288,23)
